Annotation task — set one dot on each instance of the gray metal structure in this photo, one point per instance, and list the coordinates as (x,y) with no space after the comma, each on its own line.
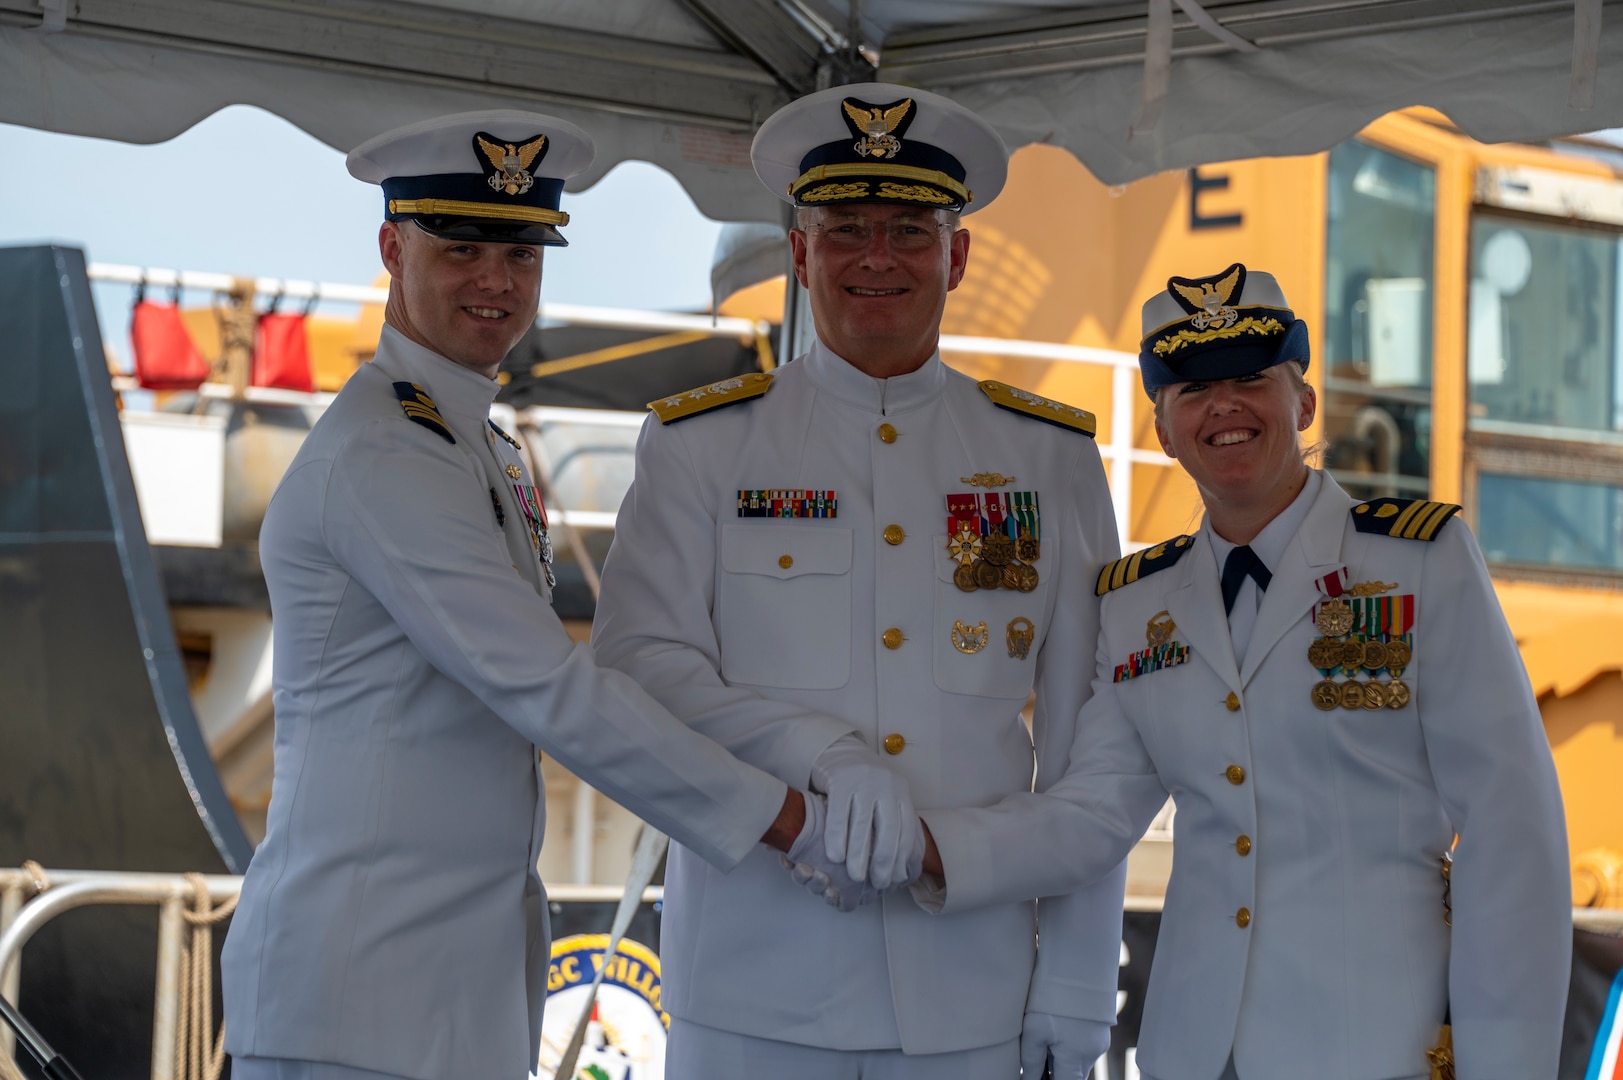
(102,765)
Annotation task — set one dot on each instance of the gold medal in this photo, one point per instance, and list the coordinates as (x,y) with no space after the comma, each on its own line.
(514,471)
(1374,696)
(1397,694)
(1028,578)
(988,576)
(1011,577)
(964,577)
(1352,654)
(968,639)
(1326,694)
(1352,694)
(1374,655)
(1160,628)
(1335,618)
(1398,655)
(1028,549)
(997,549)
(1324,654)
(964,544)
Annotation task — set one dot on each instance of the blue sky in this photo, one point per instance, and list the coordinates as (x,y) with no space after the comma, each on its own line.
(245,192)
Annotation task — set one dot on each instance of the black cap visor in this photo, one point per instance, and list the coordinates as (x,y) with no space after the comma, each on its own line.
(489,231)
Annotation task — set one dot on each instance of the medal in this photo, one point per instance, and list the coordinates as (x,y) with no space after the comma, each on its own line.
(997,549)
(988,576)
(1324,654)
(1011,577)
(1027,578)
(514,471)
(1397,694)
(1326,694)
(964,577)
(1352,695)
(968,639)
(1352,654)
(1374,655)
(1335,618)
(1019,636)
(1028,549)
(1398,655)
(1374,696)
(1160,628)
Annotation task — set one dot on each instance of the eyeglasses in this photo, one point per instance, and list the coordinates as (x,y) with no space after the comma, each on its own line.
(905,233)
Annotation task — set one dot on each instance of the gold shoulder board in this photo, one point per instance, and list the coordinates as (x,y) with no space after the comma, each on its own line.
(1057,413)
(715,396)
(1126,570)
(1408,519)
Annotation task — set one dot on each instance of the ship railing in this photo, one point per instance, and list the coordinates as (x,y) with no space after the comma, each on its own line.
(1118,449)
(30,897)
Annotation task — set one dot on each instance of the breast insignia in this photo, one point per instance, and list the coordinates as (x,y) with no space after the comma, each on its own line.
(1125,571)
(1057,413)
(707,398)
(1409,519)
(420,409)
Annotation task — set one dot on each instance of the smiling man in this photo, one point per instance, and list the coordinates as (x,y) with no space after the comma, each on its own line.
(1328,690)
(392,923)
(868,534)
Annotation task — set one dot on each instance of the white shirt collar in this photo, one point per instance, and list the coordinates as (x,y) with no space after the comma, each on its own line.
(834,374)
(1275,537)
(462,395)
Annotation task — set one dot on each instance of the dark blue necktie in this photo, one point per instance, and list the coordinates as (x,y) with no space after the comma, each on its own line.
(1242,561)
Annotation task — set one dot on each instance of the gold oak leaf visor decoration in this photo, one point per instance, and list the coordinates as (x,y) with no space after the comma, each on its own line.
(1223,326)
(880,163)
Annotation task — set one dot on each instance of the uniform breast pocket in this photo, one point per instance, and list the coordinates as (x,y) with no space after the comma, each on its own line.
(783,605)
(980,635)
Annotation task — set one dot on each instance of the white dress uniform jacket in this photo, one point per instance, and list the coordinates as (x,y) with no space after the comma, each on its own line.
(1327,827)
(759,631)
(392,918)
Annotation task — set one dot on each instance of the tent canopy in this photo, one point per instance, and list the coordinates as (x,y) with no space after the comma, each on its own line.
(1130,88)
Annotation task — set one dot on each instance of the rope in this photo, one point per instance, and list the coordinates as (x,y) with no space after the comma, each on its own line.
(37,876)
(200,1050)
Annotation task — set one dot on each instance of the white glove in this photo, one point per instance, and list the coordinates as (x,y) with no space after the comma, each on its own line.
(872,827)
(809,865)
(1075,1045)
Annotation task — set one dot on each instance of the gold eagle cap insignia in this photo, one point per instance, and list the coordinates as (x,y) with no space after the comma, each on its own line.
(877,126)
(511,161)
(1212,300)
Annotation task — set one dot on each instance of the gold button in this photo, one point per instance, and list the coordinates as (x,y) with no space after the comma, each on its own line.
(887,433)
(1232,701)
(1242,844)
(894,744)
(786,561)
(892,639)
(1235,774)
(894,534)
(1242,918)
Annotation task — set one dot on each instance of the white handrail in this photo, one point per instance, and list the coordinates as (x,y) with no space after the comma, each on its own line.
(294,289)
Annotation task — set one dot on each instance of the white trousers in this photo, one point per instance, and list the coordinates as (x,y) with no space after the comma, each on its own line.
(257,1068)
(695,1052)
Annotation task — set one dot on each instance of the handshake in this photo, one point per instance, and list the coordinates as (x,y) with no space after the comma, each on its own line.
(862,836)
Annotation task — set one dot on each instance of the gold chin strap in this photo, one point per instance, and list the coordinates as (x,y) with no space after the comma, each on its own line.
(899,172)
(461,208)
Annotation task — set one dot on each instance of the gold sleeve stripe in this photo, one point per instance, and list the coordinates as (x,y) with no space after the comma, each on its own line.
(899,172)
(463,208)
